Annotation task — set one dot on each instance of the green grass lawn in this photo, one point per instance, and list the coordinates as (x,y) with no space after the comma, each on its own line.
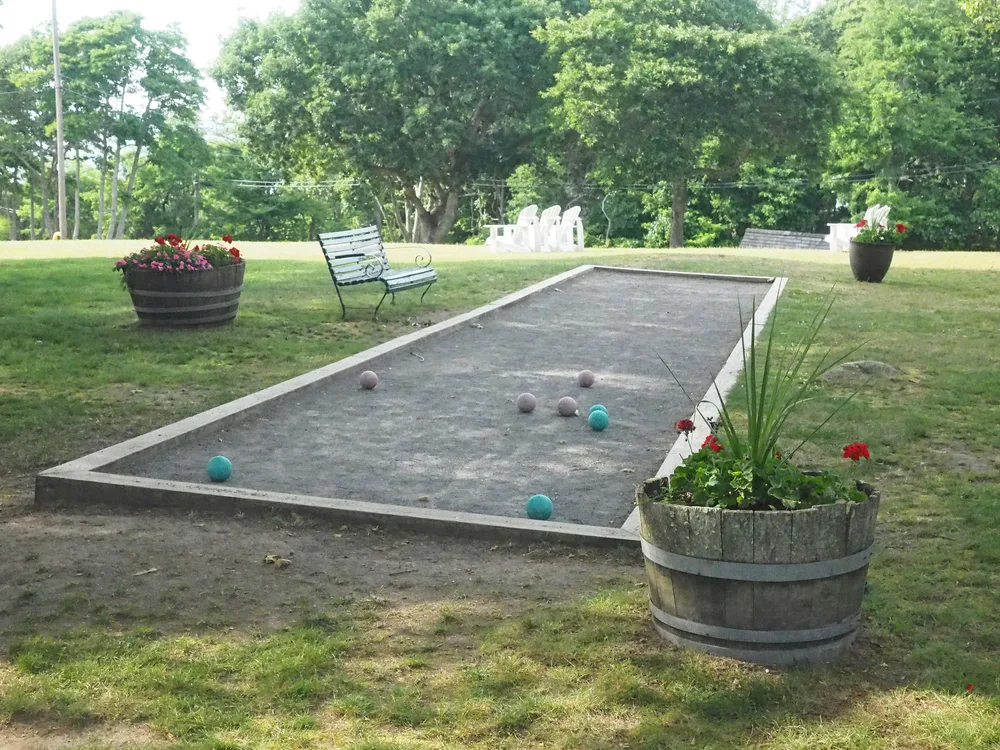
(566,670)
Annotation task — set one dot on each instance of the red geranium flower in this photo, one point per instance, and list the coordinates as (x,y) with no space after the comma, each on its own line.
(685,425)
(234,252)
(861,224)
(712,443)
(160,241)
(227,238)
(970,687)
(856,451)
(901,228)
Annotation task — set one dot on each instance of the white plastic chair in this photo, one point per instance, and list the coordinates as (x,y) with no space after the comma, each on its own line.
(548,222)
(877,216)
(568,235)
(513,236)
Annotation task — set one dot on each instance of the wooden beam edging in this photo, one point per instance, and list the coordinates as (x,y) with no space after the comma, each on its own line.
(53,488)
(81,479)
(724,382)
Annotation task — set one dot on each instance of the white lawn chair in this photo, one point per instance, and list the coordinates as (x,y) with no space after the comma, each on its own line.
(514,236)
(841,234)
(877,216)
(547,225)
(568,234)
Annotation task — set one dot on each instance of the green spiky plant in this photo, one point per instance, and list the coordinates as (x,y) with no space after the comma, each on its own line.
(739,466)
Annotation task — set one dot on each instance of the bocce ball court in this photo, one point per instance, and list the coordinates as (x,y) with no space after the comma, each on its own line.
(440,442)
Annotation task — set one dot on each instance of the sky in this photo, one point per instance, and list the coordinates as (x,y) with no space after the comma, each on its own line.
(203,22)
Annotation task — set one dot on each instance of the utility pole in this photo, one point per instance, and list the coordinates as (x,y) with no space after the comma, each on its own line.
(60,145)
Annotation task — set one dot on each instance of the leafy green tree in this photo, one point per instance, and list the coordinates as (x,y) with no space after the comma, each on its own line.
(414,98)
(237,199)
(123,86)
(669,91)
(986,12)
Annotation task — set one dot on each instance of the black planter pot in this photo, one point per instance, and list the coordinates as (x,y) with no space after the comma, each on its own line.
(870,262)
(196,298)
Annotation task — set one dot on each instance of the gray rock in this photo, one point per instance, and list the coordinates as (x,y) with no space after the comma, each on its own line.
(860,371)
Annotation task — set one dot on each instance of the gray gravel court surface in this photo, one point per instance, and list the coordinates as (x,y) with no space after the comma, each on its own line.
(442,431)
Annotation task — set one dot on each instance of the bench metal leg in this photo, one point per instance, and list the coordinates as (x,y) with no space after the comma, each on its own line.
(343,309)
(426,290)
(380,303)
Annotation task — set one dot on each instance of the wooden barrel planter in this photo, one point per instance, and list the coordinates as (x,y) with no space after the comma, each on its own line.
(771,587)
(186,299)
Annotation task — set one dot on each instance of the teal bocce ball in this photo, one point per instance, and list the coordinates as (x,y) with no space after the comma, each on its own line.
(220,469)
(597,407)
(598,420)
(539,508)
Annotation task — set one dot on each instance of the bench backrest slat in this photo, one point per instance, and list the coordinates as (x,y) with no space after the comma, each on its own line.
(351,253)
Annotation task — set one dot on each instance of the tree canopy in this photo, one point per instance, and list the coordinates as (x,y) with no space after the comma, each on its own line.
(666,121)
(410,97)
(667,91)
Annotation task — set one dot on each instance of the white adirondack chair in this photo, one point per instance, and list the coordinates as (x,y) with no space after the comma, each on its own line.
(877,215)
(841,234)
(568,235)
(514,236)
(548,222)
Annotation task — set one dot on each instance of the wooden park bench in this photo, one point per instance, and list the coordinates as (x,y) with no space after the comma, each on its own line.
(358,257)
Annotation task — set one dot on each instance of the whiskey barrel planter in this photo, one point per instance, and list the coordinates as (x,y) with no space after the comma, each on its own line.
(186,299)
(771,587)
(869,261)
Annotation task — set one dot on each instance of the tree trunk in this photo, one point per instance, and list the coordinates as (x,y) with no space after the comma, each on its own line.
(127,198)
(113,217)
(100,193)
(677,208)
(31,193)
(15,202)
(46,227)
(446,220)
(76,200)
(197,205)
(430,226)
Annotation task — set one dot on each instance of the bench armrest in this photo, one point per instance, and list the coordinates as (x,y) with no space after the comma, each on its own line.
(373,266)
(423,258)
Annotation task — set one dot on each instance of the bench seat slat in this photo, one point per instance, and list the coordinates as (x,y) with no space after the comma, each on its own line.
(350,233)
(365,245)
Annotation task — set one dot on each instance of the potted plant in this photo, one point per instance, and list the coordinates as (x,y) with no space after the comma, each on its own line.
(873,246)
(747,554)
(173,284)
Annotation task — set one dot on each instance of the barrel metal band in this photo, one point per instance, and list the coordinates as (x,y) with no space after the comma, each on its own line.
(187,309)
(761,572)
(756,636)
(207,293)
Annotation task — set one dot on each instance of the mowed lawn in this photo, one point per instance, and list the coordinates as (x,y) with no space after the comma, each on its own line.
(556,669)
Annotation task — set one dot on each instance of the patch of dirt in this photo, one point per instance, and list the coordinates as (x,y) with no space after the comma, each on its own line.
(77,567)
(861,371)
(16,490)
(957,457)
(22,737)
